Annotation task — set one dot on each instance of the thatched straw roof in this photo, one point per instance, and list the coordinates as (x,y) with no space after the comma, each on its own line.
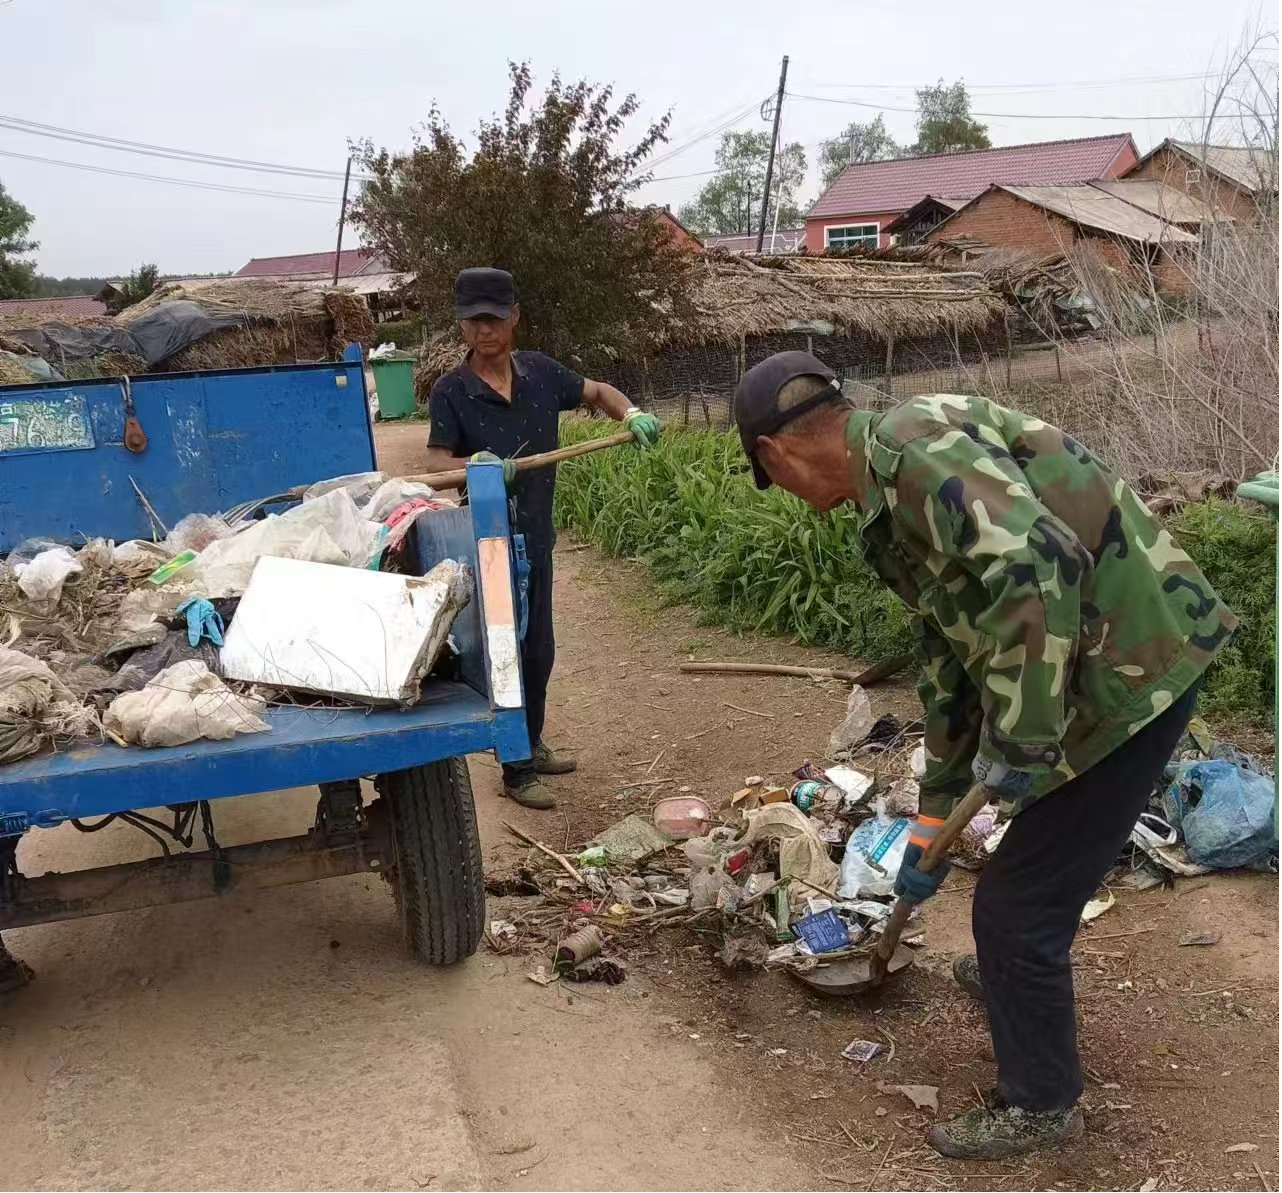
(886,296)
(889,299)
(266,322)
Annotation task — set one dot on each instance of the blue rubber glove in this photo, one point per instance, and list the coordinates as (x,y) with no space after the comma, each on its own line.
(509,466)
(203,621)
(911,883)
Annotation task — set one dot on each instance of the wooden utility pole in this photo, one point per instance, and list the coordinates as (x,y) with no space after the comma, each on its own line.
(770,161)
(342,217)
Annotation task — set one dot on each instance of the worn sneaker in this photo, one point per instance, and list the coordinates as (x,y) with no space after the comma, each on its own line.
(548,763)
(526,790)
(966,975)
(995,1130)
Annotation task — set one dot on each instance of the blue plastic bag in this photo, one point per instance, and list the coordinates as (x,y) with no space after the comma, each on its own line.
(1225,814)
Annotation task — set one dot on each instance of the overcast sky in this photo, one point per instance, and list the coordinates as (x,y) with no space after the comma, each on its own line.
(289,81)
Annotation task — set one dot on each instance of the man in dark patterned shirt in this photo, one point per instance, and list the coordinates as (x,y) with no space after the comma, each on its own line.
(501,403)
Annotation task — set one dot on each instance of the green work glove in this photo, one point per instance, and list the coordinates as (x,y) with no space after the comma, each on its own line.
(644,427)
(509,466)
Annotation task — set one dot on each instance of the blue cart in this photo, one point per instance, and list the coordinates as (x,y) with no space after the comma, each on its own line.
(214,440)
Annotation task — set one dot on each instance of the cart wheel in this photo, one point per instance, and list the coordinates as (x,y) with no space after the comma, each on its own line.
(439,880)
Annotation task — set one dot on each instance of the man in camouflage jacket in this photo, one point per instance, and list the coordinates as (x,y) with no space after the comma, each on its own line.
(1063,634)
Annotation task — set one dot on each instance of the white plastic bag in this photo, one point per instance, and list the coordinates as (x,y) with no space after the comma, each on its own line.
(873,856)
(182,704)
(328,529)
(42,579)
(358,485)
(390,494)
(856,725)
(195,532)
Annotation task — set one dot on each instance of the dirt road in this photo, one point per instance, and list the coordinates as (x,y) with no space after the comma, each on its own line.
(285,1040)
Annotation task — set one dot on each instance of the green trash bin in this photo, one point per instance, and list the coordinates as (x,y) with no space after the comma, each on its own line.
(394,382)
(1264,490)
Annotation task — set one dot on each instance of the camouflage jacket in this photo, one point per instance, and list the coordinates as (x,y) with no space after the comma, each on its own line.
(1057,614)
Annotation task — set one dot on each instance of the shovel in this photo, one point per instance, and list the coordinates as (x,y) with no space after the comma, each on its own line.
(457,476)
(858,974)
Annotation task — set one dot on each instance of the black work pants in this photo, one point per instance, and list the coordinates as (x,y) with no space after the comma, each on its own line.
(538,652)
(1029,901)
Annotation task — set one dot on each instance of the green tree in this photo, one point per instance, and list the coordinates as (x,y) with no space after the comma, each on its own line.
(135,288)
(731,202)
(17,278)
(857,142)
(544,195)
(944,122)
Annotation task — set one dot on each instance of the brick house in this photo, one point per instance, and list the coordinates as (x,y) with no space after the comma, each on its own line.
(867,197)
(1232,180)
(1051,221)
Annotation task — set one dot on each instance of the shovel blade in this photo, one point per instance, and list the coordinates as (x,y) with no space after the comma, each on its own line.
(841,979)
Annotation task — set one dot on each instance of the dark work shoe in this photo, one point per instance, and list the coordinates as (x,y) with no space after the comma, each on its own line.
(525,789)
(966,975)
(995,1130)
(548,763)
(14,974)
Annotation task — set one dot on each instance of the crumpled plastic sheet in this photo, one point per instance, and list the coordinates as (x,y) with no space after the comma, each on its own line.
(41,579)
(326,529)
(184,703)
(1225,814)
(802,852)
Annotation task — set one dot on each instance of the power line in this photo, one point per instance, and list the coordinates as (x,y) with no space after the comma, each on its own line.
(119,144)
(204,186)
(856,103)
(1009,88)
(738,116)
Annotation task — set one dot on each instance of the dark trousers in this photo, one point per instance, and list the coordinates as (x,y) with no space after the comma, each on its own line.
(538,652)
(1030,899)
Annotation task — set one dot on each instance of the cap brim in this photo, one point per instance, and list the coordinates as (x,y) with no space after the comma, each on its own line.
(759,473)
(473,310)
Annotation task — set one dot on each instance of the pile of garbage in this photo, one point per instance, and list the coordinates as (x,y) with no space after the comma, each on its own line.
(1213,810)
(163,643)
(800,876)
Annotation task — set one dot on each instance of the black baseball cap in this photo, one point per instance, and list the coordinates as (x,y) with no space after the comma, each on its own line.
(484,292)
(756,409)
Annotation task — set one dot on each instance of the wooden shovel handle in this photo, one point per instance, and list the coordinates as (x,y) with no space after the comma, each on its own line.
(934,853)
(457,476)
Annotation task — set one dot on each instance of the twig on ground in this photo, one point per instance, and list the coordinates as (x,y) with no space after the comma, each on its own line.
(872,1184)
(649,770)
(1119,935)
(660,707)
(692,736)
(560,859)
(1264,1184)
(752,712)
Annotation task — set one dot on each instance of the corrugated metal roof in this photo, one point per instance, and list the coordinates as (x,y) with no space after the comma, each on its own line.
(1253,169)
(71,306)
(896,185)
(1094,208)
(350,263)
(786,240)
(1165,202)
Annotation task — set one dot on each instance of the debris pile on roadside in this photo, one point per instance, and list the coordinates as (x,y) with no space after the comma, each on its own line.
(799,875)
(162,643)
(1213,810)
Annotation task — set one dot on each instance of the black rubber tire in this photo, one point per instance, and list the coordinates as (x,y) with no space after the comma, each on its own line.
(439,878)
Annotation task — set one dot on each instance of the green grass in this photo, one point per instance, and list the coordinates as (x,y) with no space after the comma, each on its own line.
(765,561)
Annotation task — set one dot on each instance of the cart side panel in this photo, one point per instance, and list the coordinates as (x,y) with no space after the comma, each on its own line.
(214,439)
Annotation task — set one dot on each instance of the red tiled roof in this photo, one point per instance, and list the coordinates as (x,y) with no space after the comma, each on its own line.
(71,306)
(896,185)
(350,263)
